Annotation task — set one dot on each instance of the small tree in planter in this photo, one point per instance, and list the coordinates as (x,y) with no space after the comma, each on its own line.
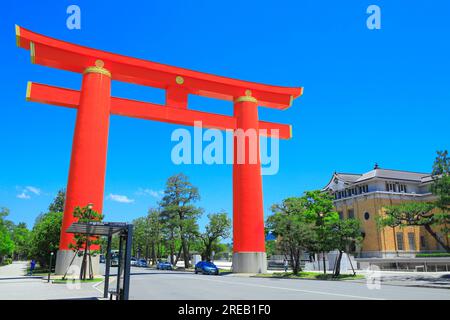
(83,242)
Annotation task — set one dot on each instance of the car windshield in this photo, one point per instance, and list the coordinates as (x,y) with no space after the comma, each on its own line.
(209,264)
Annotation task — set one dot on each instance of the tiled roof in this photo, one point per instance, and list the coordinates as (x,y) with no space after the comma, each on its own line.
(393,174)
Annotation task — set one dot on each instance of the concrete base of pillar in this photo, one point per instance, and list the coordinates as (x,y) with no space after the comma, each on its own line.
(249,262)
(63,259)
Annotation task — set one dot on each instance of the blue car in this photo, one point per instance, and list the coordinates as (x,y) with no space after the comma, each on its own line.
(206,267)
(141,263)
(164,265)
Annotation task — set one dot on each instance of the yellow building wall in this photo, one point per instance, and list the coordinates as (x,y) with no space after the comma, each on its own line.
(383,240)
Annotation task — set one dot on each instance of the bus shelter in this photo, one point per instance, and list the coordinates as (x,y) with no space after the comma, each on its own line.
(108,229)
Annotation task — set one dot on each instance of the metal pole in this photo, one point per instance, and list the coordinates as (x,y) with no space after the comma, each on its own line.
(126,276)
(50,267)
(119,267)
(108,265)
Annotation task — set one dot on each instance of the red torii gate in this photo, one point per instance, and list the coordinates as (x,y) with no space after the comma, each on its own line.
(95,104)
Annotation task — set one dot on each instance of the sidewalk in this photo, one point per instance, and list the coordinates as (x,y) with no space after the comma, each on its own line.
(15,285)
(16,269)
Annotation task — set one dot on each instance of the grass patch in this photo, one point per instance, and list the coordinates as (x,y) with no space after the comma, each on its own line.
(432,255)
(309,275)
(73,280)
(39,271)
(224,271)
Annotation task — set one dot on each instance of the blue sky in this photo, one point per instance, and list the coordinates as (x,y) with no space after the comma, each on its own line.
(370,95)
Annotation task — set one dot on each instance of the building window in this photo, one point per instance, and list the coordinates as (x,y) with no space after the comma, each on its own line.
(423,243)
(366,216)
(400,244)
(412,241)
(351,214)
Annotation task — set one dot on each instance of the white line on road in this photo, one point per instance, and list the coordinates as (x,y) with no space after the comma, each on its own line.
(278,288)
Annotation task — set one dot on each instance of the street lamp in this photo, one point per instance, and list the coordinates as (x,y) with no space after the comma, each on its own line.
(50,267)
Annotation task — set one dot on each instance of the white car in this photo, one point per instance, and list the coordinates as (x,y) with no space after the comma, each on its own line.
(133,262)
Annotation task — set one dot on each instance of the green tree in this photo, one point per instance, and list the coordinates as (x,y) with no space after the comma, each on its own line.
(58,203)
(147,235)
(345,233)
(45,236)
(320,210)
(413,214)
(441,188)
(140,236)
(433,216)
(6,243)
(21,237)
(293,228)
(154,233)
(179,215)
(218,227)
(83,242)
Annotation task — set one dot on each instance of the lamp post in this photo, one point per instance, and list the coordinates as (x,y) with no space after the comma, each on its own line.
(321,215)
(50,266)
(87,253)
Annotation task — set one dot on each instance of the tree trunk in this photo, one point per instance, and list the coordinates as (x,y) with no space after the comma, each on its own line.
(178,256)
(207,252)
(172,252)
(153,254)
(436,237)
(185,252)
(337,266)
(324,264)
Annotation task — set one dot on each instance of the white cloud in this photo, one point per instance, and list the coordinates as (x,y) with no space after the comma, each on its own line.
(120,198)
(150,192)
(23,195)
(34,190)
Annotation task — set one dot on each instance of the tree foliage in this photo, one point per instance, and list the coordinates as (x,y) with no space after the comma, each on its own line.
(433,216)
(83,242)
(218,227)
(45,236)
(294,229)
(57,204)
(179,215)
(414,214)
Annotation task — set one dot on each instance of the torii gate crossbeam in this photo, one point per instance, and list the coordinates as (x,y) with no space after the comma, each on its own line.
(95,104)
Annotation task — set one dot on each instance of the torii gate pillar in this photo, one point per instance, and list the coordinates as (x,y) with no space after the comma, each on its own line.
(88,162)
(249,254)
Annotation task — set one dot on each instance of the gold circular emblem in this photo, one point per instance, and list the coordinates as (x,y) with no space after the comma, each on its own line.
(248,93)
(179,80)
(99,63)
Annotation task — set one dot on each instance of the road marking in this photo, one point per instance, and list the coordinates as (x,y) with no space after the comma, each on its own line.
(279,288)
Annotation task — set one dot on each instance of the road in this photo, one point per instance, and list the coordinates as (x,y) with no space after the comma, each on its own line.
(155,284)
(148,284)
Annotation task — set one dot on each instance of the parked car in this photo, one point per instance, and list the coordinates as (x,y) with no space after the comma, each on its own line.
(133,261)
(141,263)
(206,267)
(164,265)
